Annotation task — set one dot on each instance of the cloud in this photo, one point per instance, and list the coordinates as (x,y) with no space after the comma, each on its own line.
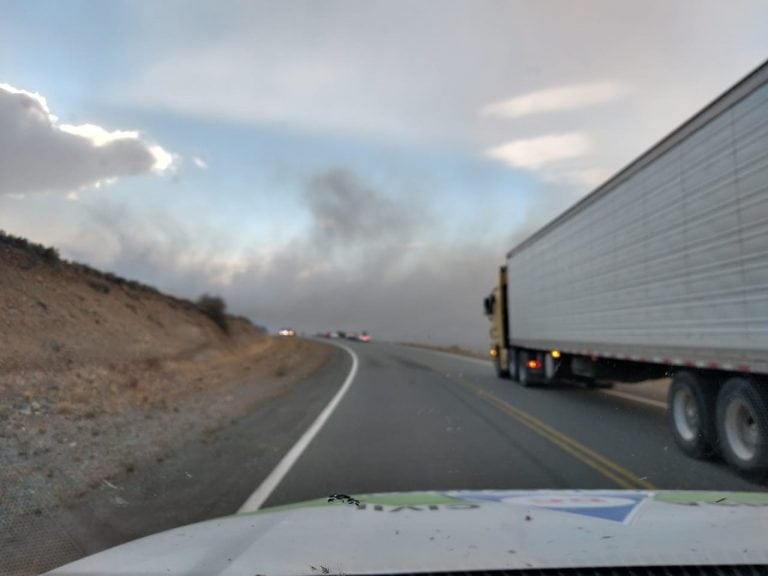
(322,69)
(359,69)
(370,262)
(585,177)
(362,70)
(163,160)
(346,212)
(366,262)
(96,134)
(541,151)
(562,159)
(199,162)
(37,154)
(369,257)
(557,99)
(557,158)
(153,246)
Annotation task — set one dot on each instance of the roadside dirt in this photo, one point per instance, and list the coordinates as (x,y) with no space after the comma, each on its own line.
(100,377)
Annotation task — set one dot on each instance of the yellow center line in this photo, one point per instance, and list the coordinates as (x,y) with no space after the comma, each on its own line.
(608,468)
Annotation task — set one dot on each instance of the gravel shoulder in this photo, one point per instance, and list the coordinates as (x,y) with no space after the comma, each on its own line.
(153,468)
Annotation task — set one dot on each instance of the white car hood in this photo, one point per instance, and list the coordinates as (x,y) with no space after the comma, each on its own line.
(457,531)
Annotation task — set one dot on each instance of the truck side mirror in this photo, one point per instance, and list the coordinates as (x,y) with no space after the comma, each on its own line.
(488,303)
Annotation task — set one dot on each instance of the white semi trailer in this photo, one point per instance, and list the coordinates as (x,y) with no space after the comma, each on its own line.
(661,271)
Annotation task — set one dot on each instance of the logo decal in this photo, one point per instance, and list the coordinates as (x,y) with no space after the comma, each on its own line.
(614,506)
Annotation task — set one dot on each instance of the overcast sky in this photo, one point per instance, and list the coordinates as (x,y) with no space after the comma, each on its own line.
(339,165)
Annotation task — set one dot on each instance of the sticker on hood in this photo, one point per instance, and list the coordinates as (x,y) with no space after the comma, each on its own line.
(614,506)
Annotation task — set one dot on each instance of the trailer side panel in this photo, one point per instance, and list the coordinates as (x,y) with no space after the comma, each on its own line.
(671,259)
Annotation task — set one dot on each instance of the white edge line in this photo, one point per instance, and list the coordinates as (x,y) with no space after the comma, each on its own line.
(268,485)
(633,398)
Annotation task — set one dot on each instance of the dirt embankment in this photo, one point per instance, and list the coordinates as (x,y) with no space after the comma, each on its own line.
(99,375)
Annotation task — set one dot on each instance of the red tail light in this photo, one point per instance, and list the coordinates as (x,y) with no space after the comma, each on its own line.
(534,364)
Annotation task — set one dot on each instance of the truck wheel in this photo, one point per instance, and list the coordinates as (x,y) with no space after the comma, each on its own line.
(514,365)
(691,409)
(742,425)
(523,374)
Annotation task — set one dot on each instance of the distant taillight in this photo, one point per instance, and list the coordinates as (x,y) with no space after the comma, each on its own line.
(534,364)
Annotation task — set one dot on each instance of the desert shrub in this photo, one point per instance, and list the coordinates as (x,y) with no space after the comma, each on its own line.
(99,286)
(215,308)
(45,253)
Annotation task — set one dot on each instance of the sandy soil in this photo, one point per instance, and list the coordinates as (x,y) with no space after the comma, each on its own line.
(100,377)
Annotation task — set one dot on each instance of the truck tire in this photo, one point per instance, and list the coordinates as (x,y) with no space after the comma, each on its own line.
(742,425)
(691,410)
(514,367)
(523,374)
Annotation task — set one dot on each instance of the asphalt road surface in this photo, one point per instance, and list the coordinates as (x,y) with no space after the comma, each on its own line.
(414,419)
(394,418)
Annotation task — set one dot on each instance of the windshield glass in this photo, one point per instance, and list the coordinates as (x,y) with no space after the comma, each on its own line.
(260,253)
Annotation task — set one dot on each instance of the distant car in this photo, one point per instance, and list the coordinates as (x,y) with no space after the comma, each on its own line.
(358,336)
(286,332)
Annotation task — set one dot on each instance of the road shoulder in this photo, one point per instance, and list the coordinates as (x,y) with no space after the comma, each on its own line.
(208,474)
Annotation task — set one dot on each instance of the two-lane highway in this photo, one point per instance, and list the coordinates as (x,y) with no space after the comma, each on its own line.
(414,419)
(380,418)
